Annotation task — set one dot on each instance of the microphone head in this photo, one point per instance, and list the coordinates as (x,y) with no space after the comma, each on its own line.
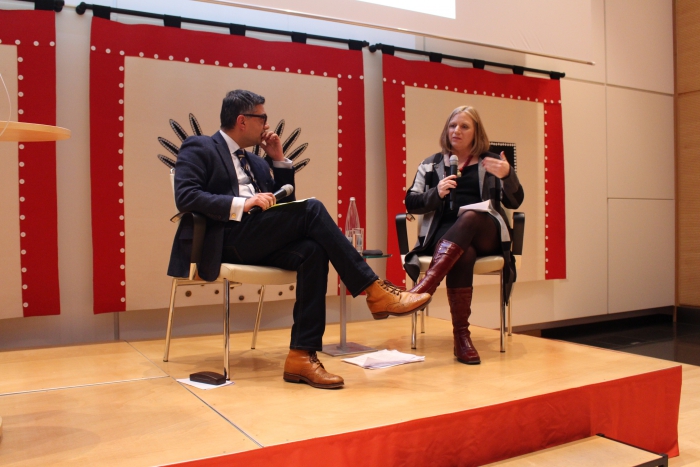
(288,190)
(454,160)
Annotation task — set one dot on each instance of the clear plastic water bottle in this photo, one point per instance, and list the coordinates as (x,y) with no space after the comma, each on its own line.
(353,231)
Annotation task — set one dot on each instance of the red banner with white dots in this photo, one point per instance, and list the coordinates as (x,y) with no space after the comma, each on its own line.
(152,86)
(518,112)
(28,231)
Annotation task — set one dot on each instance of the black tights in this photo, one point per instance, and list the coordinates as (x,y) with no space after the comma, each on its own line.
(478,235)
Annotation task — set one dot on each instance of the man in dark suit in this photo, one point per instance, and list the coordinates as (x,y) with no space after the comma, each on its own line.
(215,176)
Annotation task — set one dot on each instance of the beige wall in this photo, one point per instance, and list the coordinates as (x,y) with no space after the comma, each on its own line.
(618,165)
(618,151)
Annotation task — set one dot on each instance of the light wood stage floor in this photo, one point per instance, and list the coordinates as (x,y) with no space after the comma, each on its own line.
(119,404)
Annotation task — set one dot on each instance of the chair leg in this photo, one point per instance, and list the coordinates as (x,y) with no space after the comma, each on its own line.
(503,316)
(171,311)
(257,317)
(226,327)
(414,319)
(414,322)
(510,306)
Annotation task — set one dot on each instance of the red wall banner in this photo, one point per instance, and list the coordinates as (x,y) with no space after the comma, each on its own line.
(33,33)
(115,46)
(402,77)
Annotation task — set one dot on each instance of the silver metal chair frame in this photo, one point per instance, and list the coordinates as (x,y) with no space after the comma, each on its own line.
(503,316)
(518,232)
(192,280)
(227,286)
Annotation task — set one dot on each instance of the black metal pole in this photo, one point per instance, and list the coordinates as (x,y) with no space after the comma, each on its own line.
(437,57)
(50,5)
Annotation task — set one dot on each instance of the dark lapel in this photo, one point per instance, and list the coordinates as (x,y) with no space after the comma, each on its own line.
(225,155)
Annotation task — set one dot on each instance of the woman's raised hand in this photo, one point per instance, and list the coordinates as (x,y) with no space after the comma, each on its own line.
(446,184)
(499,167)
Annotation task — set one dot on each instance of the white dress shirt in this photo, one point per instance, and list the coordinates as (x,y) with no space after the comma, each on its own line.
(245,187)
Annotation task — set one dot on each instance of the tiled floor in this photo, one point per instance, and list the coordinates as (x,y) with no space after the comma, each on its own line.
(653,336)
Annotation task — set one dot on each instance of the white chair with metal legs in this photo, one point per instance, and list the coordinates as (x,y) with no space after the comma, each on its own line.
(230,275)
(486,265)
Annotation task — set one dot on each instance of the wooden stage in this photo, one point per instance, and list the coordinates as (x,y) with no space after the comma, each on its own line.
(119,404)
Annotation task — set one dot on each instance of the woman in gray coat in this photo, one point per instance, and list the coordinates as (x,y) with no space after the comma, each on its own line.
(454,238)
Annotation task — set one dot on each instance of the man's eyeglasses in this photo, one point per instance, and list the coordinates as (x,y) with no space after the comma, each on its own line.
(262,116)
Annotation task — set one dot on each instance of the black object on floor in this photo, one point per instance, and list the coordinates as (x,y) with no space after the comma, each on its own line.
(652,336)
(208,377)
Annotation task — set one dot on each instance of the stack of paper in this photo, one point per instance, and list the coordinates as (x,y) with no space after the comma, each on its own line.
(383,359)
(484,206)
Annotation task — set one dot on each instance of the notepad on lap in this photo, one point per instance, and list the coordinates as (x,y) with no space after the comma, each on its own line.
(484,206)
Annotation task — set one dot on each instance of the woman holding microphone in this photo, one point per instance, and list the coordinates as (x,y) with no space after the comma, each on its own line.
(455,239)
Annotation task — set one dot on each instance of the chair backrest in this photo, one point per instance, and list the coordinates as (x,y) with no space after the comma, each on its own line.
(518,233)
(199,224)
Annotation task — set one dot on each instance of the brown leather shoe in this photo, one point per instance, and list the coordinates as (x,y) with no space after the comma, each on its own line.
(303,366)
(460,300)
(384,299)
(446,255)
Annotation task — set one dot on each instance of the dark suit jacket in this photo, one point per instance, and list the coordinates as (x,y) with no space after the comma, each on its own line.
(206,182)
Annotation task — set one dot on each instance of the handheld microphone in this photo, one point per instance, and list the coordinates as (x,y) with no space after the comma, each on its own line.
(283,192)
(454,165)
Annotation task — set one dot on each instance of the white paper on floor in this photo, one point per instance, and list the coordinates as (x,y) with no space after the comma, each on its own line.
(203,385)
(383,359)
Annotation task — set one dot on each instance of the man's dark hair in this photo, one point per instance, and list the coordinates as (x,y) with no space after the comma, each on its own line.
(238,102)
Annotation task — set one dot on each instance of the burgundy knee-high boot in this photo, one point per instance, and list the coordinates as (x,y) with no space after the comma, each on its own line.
(460,300)
(446,255)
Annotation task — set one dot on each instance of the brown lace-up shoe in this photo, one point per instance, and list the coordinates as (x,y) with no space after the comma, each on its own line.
(303,366)
(384,299)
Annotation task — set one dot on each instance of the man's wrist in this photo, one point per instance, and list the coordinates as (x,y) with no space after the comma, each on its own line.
(283,164)
(237,208)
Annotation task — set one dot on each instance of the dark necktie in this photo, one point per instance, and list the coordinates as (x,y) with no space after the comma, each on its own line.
(243,159)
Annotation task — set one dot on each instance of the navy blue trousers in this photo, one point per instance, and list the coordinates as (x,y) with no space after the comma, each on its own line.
(299,237)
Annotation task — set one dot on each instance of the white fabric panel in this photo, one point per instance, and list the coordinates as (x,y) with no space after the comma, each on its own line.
(148,200)
(584,292)
(640,44)
(11,286)
(505,120)
(640,145)
(641,254)
(550,27)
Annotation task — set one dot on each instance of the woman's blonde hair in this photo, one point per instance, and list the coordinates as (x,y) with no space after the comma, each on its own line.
(481,140)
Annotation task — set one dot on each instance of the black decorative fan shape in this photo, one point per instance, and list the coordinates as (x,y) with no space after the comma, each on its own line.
(291,154)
